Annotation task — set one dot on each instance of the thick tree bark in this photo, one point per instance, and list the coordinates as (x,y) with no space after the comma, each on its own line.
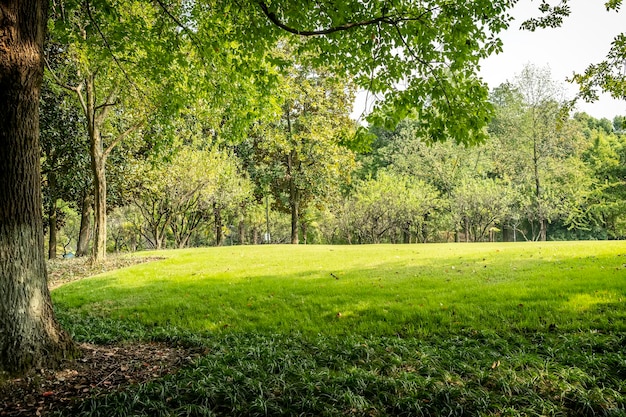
(29,333)
(82,247)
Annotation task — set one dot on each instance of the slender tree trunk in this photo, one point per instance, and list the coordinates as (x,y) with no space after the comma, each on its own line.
(29,333)
(98,166)
(303,231)
(425,229)
(52,216)
(242,232)
(543,230)
(219,226)
(406,236)
(82,247)
(183,243)
(294,223)
(100,205)
(158,244)
(52,226)
(542,220)
(293,198)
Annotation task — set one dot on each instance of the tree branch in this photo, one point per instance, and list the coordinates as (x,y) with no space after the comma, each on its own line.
(75,88)
(388,19)
(57,80)
(121,137)
(105,106)
(275,20)
(178,22)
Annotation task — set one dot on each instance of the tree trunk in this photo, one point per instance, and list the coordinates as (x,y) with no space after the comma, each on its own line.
(158,243)
(100,208)
(219,226)
(31,336)
(543,230)
(294,223)
(82,247)
(467,231)
(542,220)
(52,226)
(303,231)
(293,198)
(98,166)
(52,216)
(242,232)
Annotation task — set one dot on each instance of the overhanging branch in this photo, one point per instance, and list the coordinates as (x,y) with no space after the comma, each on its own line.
(346,26)
(387,19)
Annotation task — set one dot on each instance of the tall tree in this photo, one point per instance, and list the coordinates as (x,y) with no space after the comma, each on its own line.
(537,148)
(30,333)
(305,146)
(118,77)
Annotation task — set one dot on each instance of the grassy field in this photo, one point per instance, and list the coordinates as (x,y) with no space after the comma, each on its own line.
(459,329)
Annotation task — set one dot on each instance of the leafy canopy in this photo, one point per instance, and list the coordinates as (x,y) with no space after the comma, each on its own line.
(420,58)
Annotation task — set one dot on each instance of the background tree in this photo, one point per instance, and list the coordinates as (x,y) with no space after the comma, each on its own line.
(534,144)
(110,67)
(479,206)
(65,161)
(605,157)
(392,207)
(302,154)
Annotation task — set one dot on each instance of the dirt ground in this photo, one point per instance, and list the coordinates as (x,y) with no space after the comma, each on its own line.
(100,369)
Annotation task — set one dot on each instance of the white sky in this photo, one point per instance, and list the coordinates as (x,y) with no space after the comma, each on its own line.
(584,38)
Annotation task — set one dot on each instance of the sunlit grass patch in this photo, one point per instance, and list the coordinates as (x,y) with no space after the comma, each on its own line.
(382,289)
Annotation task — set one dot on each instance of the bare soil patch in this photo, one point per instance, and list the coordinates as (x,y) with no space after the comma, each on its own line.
(100,370)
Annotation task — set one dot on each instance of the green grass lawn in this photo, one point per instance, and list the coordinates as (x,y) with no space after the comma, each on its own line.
(447,329)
